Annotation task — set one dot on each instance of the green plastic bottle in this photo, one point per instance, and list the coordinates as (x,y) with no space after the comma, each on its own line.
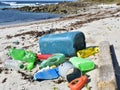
(55,59)
(23,55)
(82,63)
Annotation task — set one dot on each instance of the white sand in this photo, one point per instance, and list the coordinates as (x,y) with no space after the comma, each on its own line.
(106,29)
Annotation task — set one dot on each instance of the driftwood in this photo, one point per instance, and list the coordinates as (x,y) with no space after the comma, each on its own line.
(106,74)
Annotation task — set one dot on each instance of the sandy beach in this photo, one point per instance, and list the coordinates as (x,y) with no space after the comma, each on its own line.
(98,23)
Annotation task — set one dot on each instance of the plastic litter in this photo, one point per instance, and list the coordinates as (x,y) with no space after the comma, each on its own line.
(82,63)
(46,74)
(64,68)
(78,83)
(73,74)
(13,64)
(68,71)
(55,59)
(88,52)
(16,42)
(67,43)
(43,56)
(23,55)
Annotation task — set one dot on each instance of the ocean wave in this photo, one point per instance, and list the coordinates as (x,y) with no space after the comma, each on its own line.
(8,3)
(15,4)
(4,4)
(21,5)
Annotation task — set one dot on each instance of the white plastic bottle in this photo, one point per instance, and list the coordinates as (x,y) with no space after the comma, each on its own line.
(68,71)
(13,64)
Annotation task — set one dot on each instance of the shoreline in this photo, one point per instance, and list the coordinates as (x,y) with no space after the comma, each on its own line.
(91,11)
(28,23)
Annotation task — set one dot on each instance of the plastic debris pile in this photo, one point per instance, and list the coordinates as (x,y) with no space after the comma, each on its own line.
(54,48)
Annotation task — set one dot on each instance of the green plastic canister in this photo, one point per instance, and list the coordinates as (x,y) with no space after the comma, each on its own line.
(83,64)
(54,60)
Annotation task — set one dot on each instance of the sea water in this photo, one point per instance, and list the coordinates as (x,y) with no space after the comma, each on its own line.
(14,16)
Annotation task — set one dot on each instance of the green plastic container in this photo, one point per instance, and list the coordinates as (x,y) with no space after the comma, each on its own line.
(82,63)
(23,55)
(55,59)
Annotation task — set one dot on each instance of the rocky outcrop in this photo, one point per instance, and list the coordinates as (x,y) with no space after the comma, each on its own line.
(61,8)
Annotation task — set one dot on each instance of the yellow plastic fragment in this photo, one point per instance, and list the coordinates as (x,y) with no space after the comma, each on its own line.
(53,66)
(88,52)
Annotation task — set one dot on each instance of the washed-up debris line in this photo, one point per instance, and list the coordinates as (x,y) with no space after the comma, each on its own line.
(53,62)
(36,33)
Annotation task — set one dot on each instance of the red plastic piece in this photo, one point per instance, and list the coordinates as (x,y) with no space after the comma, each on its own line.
(78,83)
(43,56)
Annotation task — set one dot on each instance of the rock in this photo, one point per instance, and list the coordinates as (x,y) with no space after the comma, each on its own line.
(61,8)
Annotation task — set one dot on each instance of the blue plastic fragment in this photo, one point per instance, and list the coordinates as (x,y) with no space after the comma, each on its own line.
(47,74)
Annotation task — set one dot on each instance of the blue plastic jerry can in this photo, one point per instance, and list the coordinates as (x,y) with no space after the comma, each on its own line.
(67,43)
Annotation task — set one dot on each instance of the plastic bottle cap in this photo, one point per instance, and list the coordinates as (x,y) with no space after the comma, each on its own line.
(97,49)
(21,66)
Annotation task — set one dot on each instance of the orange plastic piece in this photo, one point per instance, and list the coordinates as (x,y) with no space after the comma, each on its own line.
(78,83)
